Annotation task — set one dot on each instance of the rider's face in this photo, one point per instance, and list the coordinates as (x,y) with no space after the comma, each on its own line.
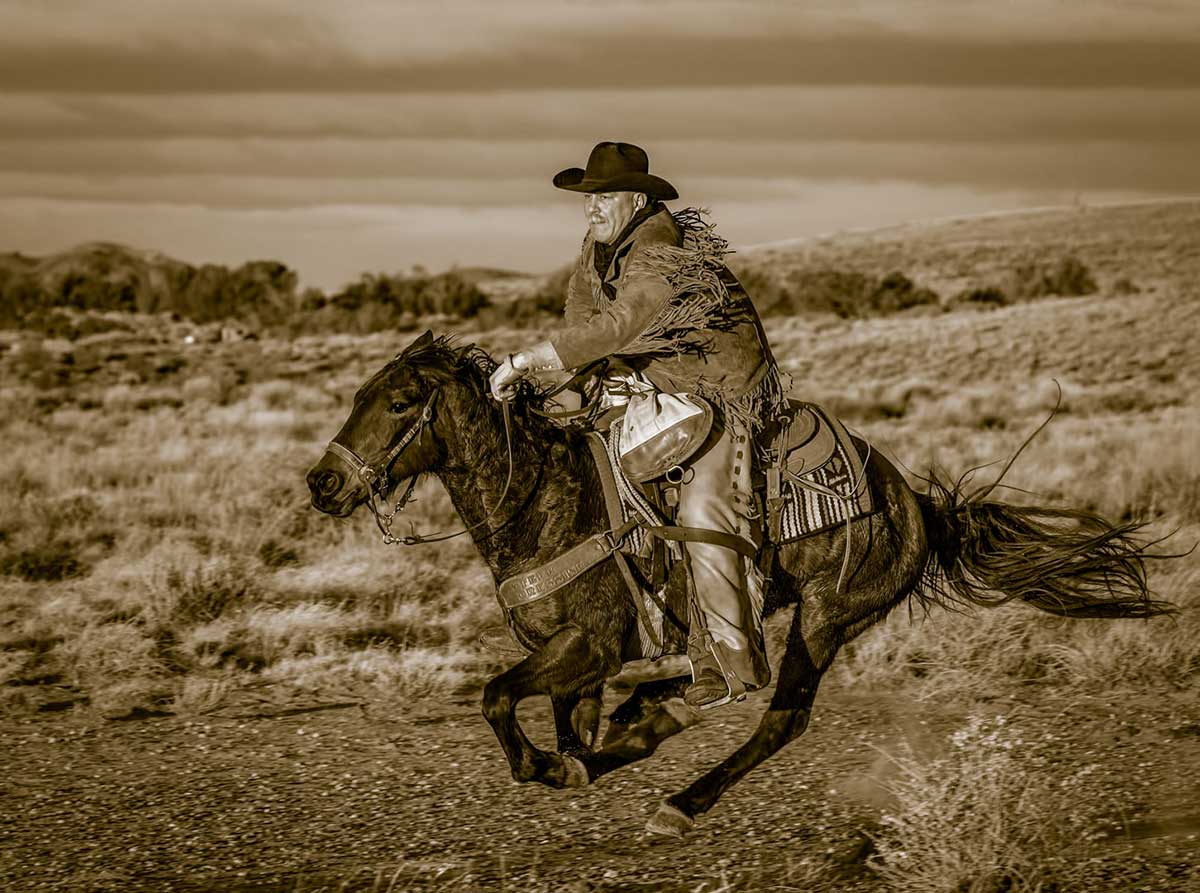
(608,212)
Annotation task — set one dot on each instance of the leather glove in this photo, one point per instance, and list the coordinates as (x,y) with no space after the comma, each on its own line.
(542,357)
(503,381)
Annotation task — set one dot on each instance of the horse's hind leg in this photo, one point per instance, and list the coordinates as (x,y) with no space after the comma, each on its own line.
(651,715)
(576,719)
(646,697)
(786,717)
(566,663)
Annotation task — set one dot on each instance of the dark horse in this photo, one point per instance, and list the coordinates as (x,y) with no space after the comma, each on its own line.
(428,410)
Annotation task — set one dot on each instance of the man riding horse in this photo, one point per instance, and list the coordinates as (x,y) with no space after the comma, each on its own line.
(651,294)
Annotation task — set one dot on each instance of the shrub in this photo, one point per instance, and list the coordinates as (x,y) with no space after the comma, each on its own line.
(203,593)
(848,294)
(106,653)
(987,815)
(989,296)
(407,673)
(50,564)
(1069,277)
(274,555)
(896,292)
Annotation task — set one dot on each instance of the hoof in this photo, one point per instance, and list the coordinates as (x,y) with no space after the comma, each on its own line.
(575,774)
(670,822)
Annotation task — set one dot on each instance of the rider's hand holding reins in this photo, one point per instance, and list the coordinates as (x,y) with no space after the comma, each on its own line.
(542,357)
(504,380)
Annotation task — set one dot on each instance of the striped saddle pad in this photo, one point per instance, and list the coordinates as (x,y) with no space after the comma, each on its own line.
(827,486)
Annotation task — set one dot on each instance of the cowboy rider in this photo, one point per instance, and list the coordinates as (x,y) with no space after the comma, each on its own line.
(625,276)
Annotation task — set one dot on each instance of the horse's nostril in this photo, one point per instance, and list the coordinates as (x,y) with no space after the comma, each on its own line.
(323,483)
(330,482)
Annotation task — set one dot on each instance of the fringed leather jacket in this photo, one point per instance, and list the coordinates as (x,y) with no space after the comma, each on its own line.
(668,307)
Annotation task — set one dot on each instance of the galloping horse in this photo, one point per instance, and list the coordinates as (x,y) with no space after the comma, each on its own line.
(528,490)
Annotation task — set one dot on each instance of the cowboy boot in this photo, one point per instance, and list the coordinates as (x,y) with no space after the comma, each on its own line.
(726,650)
(722,671)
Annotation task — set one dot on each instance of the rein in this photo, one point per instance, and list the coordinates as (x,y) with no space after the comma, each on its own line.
(375,477)
(595,367)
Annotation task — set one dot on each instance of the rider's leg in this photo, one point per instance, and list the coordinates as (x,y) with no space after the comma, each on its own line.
(726,643)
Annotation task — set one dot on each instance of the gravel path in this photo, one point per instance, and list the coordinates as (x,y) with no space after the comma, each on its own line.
(419,797)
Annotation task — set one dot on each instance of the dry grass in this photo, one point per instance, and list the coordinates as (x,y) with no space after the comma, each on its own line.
(153,554)
(987,813)
(156,540)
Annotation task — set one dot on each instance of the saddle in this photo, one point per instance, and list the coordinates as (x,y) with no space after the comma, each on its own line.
(809,444)
(815,478)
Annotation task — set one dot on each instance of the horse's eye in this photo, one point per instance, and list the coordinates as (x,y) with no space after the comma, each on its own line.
(397,408)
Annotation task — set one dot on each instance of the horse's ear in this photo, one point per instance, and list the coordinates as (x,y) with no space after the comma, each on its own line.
(422,342)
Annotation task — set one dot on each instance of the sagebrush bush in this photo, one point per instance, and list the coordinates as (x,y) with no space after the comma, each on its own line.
(1066,277)
(106,653)
(407,673)
(50,564)
(988,814)
(206,591)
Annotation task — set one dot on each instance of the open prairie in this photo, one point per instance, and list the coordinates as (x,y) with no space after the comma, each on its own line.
(206,685)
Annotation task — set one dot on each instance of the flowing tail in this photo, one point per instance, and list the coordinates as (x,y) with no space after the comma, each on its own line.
(1063,561)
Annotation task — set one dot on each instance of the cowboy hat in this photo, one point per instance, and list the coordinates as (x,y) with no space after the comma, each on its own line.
(616,167)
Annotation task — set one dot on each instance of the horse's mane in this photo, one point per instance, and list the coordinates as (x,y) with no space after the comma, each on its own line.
(447,357)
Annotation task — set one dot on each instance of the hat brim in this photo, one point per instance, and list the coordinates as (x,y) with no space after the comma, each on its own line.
(573,180)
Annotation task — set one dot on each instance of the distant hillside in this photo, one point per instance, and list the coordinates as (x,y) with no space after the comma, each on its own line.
(1121,248)
(70,293)
(105,276)
(917,268)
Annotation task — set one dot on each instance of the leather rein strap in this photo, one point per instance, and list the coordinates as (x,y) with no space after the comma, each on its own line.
(585,372)
(374,475)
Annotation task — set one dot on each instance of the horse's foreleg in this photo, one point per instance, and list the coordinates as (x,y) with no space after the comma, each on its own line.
(565,663)
(786,717)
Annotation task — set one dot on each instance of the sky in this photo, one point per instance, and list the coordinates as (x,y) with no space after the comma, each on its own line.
(375,135)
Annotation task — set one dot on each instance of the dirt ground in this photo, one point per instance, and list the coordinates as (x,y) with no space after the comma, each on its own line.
(308,794)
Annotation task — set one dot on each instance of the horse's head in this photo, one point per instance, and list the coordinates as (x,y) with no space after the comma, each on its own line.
(392,432)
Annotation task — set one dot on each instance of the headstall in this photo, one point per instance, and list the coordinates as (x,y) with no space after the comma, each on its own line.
(375,477)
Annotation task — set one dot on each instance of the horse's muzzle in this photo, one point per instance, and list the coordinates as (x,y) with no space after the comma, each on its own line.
(325,484)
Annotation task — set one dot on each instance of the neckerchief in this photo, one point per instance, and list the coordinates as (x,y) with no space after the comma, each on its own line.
(603,252)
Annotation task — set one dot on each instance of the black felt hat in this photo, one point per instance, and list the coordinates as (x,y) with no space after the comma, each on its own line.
(616,167)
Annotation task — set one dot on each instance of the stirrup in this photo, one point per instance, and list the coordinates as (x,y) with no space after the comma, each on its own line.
(709,666)
(732,686)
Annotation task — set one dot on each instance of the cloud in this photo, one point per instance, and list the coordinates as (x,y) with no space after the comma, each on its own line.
(869,114)
(305,45)
(301,172)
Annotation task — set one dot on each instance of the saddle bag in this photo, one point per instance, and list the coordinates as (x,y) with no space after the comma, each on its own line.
(660,431)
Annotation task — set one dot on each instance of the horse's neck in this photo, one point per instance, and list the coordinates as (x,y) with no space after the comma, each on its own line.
(546,501)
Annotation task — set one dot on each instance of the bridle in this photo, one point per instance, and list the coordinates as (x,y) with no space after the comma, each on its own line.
(375,477)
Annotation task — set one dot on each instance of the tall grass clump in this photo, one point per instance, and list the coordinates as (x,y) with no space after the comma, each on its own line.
(986,815)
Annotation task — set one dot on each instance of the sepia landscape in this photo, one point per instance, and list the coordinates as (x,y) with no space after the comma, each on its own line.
(207,685)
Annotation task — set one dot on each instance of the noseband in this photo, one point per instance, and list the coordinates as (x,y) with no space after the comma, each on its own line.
(375,477)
